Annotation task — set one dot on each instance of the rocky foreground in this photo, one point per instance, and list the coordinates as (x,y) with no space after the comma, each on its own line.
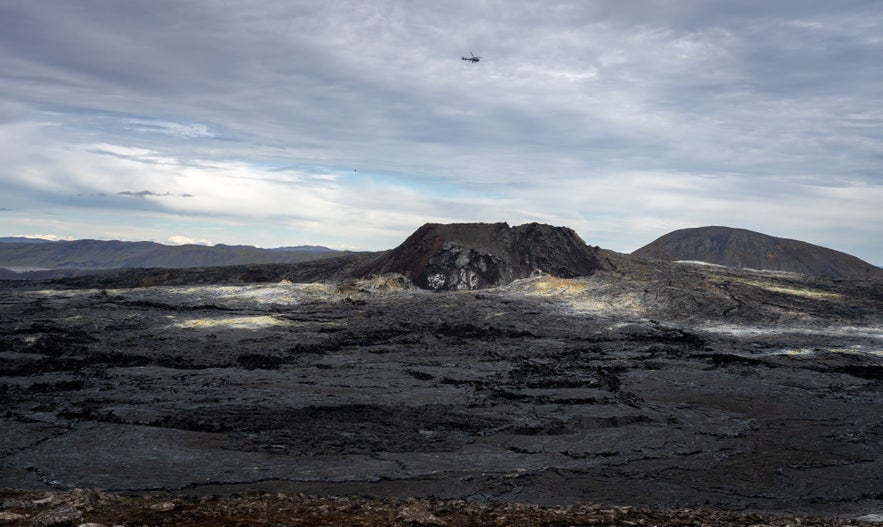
(470,371)
(96,509)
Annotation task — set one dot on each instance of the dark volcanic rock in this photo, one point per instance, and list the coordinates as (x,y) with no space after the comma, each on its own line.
(657,384)
(465,256)
(748,249)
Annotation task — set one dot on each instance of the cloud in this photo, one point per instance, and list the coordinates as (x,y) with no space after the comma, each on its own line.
(185,240)
(147,193)
(50,237)
(168,128)
(621,119)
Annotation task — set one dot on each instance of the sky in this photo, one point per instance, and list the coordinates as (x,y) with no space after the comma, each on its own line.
(350,124)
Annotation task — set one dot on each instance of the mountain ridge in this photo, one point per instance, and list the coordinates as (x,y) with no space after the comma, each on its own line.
(743,248)
(438,256)
(113,254)
(23,239)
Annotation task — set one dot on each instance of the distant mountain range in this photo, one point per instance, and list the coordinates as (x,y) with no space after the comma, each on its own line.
(22,239)
(305,249)
(442,257)
(27,254)
(748,249)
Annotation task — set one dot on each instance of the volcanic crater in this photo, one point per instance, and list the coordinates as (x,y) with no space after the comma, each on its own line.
(479,255)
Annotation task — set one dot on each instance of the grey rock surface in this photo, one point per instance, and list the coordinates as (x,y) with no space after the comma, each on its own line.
(650,383)
(468,256)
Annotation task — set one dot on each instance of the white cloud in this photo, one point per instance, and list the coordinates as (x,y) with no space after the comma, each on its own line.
(186,240)
(187,131)
(50,237)
(121,151)
(623,120)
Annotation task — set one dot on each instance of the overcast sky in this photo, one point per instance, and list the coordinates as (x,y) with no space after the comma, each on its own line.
(350,124)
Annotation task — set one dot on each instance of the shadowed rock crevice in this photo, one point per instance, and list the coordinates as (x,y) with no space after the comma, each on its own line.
(469,256)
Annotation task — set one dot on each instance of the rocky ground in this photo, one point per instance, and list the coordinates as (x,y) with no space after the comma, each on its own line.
(92,508)
(652,384)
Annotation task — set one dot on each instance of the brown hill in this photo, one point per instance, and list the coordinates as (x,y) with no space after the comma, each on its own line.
(748,249)
(463,256)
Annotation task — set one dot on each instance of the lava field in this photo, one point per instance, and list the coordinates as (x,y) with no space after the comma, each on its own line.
(652,384)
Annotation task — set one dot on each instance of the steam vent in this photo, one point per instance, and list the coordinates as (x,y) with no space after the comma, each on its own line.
(465,256)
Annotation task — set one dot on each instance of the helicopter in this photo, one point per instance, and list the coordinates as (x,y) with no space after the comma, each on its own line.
(471,58)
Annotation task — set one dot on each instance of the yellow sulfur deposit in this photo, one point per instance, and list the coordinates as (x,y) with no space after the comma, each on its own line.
(252,322)
(806,293)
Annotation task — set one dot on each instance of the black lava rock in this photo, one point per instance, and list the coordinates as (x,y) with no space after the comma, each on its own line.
(465,256)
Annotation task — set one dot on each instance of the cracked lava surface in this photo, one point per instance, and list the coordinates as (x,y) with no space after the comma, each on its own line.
(666,385)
